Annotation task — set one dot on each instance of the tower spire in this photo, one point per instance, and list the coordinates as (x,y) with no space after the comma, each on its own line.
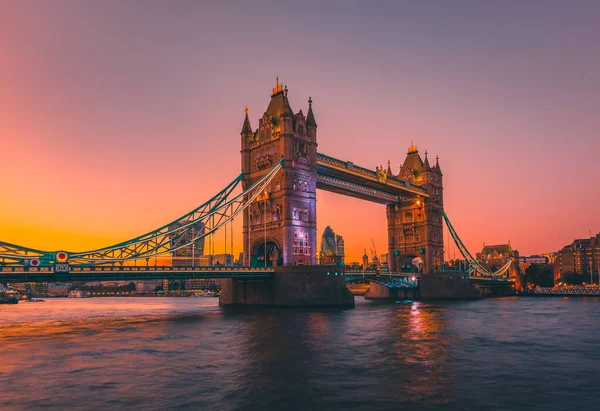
(277,88)
(426,165)
(310,117)
(412,149)
(437,165)
(246,128)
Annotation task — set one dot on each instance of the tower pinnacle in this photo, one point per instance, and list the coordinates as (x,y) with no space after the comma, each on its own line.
(277,87)
(310,117)
(426,165)
(246,128)
(412,149)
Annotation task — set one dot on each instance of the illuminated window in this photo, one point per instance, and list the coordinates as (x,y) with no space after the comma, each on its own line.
(301,244)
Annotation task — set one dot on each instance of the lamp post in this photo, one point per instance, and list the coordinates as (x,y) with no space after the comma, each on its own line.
(265,229)
(193,247)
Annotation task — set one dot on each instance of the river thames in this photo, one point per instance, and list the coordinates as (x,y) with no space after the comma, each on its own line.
(187,353)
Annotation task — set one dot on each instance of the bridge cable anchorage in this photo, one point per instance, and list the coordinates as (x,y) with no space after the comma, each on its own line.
(209,217)
(474,265)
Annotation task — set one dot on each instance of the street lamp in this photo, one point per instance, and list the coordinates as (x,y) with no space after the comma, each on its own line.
(265,229)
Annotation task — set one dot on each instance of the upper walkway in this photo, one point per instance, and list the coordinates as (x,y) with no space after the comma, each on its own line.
(343,177)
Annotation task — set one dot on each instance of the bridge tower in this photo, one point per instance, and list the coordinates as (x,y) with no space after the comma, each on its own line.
(415,225)
(280,226)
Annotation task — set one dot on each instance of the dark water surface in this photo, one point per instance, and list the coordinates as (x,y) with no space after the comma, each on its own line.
(187,353)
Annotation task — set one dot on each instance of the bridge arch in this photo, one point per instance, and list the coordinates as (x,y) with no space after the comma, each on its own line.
(411,263)
(269,249)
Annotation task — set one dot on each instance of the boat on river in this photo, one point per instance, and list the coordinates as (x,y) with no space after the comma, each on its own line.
(8,296)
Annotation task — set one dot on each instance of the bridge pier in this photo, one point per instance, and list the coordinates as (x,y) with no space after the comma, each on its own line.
(291,286)
(447,286)
(381,292)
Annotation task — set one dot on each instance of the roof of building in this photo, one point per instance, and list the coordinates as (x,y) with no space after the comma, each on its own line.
(500,249)
(413,162)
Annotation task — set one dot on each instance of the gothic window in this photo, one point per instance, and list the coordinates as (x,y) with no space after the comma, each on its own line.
(300,129)
(300,214)
(408,217)
(301,245)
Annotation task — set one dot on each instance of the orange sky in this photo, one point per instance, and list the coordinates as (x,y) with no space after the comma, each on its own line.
(115,121)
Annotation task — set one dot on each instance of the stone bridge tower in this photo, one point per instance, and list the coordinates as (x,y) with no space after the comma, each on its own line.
(280,227)
(415,225)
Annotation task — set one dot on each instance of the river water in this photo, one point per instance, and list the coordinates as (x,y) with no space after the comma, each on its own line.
(188,354)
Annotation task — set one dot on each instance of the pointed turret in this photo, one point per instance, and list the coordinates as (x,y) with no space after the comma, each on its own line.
(389,169)
(287,110)
(412,168)
(246,128)
(310,117)
(426,165)
(437,166)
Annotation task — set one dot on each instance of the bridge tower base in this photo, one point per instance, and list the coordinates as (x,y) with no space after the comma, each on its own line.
(447,286)
(291,286)
(381,292)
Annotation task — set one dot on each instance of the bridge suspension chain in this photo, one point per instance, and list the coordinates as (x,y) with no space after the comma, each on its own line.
(180,233)
(474,265)
(183,232)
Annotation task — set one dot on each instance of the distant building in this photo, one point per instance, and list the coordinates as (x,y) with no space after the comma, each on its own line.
(493,257)
(332,248)
(58,289)
(579,257)
(187,255)
(198,284)
(213,260)
(147,286)
(534,259)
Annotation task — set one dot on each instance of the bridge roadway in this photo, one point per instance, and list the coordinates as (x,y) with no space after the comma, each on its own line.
(394,280)
(12,274)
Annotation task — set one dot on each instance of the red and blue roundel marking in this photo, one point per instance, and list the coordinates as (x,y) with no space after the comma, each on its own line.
(62,257)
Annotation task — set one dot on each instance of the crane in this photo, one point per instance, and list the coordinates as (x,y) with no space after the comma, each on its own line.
(374,251)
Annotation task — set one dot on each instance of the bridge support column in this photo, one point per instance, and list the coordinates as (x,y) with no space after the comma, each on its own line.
(447,286)
(297,286)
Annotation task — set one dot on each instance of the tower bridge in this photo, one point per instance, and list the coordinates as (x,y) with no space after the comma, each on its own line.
(281,172)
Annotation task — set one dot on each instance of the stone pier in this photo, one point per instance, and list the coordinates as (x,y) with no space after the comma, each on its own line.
(381,292)
(447,286)
(291,286)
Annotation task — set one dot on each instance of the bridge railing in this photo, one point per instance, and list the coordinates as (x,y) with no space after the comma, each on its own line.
(567,291)
(26,269)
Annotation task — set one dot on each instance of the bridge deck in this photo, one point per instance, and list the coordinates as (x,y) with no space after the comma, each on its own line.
(47,274)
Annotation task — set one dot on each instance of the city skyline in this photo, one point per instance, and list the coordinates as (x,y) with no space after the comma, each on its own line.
(118,121)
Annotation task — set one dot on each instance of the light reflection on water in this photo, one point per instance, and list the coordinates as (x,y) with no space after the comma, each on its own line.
(187,353)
